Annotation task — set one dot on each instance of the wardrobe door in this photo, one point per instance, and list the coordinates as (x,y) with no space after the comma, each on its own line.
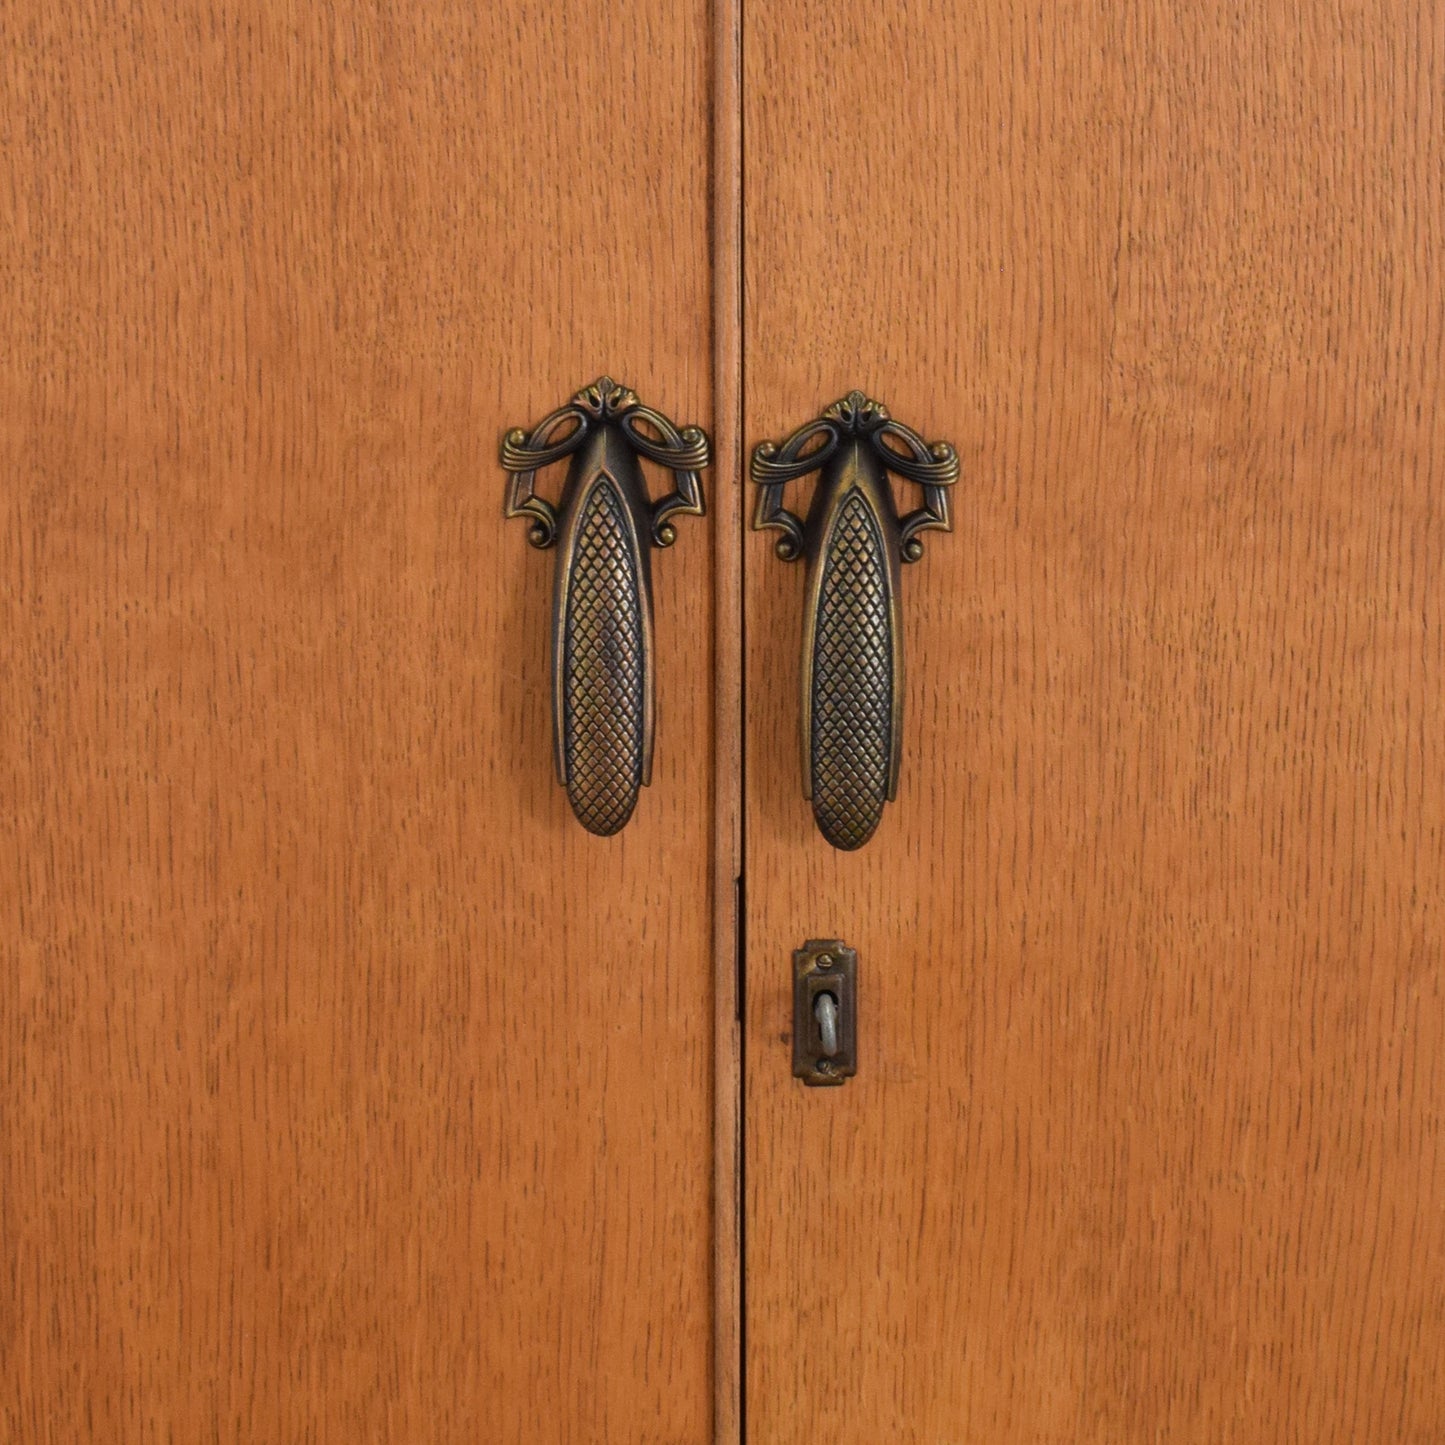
(1145,1138)
(352,1092)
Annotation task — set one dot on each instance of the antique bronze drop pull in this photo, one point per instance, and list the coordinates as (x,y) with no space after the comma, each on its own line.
(854,541)
(604,527)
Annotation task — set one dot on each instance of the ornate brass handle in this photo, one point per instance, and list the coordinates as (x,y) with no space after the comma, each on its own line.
(604,526)
(854,541)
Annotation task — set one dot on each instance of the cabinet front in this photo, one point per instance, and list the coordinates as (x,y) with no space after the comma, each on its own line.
(1144,1139)
(321,1017)
(367,1053)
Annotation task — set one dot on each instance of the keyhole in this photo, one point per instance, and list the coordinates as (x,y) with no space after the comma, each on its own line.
(825,1010)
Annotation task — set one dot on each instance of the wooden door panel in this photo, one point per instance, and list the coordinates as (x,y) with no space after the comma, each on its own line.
(1145,1140)
(322,1019)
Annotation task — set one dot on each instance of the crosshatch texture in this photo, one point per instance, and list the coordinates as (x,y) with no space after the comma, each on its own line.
(850,749)
(603,669)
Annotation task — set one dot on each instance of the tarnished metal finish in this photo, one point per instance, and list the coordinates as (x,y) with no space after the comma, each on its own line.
(825,1012)
(854,542)
(850,760)
(602,673)
(604,527)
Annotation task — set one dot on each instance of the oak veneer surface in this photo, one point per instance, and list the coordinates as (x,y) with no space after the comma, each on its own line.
(1146,1138)
(350,1091)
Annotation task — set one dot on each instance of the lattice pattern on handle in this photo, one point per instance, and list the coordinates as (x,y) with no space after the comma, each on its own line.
(855,542)
(602,679)
(851,741)
(604,526)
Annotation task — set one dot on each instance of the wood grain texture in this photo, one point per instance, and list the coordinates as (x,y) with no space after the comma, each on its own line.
(1146,1138)
(351,1091)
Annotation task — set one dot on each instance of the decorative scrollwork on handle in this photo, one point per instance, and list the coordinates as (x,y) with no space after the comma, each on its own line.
(854,542)
(604,526)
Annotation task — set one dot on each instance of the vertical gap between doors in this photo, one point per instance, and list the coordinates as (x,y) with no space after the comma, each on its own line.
(728,871)
(742,916)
